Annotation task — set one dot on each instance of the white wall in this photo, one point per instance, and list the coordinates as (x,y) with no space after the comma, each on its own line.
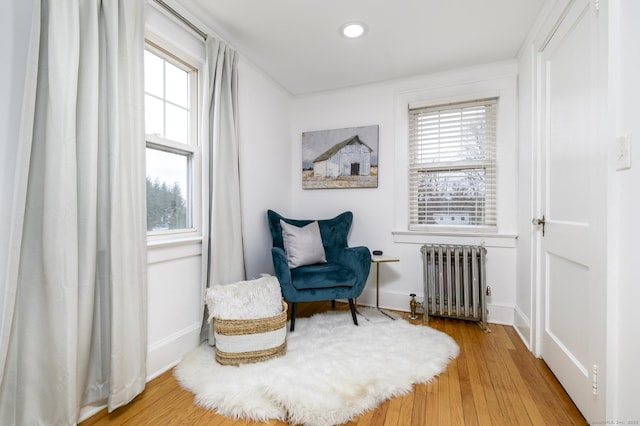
(624,276)
(265,155)
(174,295)
(378,219)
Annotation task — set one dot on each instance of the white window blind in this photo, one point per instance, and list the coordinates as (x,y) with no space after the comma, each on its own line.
(452,165)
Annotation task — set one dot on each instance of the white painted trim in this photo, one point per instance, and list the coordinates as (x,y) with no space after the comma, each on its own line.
(166,353)
(486,240)
(174,250)
(388,300)
(492,80)
(90,411)
(522,325)
(497,314)
(500,314)
(154,243)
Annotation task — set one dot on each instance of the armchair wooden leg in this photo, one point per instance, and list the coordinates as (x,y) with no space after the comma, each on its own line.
(293,315)
(352,306)
(333,303)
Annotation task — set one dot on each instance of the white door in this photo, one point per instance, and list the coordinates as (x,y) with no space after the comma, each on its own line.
(573,201)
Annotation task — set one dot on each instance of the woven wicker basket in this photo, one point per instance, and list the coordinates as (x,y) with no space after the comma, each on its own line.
(250,340)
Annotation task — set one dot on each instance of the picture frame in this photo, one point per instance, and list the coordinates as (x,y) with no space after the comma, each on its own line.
(340,158)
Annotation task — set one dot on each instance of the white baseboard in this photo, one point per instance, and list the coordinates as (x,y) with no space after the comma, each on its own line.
(89,411)
(166,353)
(498,314)
(522,325)
(393,301)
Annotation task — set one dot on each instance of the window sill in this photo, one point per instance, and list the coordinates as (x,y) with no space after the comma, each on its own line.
(170,240)
(458,238)
(175,247)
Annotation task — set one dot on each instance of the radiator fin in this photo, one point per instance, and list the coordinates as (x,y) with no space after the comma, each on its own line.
(455,282)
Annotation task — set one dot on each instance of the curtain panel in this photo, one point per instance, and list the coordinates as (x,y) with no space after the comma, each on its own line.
(74,320)
(223,251)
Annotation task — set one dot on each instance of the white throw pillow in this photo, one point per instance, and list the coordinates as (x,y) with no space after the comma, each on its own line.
(259,298)
(302,245)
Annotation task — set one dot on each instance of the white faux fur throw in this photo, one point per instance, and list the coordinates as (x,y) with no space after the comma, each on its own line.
(332,371)
(259,298)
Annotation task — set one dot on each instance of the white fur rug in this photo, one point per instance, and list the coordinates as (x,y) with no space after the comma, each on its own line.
(332,372)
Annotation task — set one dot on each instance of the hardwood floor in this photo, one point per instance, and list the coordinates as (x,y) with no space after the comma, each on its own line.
(494,381)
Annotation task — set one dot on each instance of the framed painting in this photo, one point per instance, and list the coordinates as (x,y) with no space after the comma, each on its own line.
(340,158)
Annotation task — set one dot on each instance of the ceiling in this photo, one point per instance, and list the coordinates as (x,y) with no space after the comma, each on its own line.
(297,42)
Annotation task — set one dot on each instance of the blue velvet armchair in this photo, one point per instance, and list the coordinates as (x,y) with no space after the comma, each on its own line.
(343,276)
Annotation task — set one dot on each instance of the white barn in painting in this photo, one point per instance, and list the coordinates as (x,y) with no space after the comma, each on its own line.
(350,157)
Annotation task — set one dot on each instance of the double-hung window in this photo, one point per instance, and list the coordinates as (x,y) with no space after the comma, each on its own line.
(452,166)
(171,141)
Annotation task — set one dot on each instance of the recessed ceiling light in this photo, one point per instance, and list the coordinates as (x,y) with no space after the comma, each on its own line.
(353,29)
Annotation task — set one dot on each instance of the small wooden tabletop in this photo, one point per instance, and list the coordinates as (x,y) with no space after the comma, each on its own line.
(383,258)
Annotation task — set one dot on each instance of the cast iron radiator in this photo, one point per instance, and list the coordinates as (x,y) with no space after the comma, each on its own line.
(455,282)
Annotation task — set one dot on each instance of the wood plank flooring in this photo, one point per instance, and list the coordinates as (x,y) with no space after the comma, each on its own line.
(494,381)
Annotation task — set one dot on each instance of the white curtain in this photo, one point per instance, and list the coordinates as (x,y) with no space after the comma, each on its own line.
(223,253)
(74,319)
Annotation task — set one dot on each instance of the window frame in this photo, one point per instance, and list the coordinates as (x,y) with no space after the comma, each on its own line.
(192,149)
(485,81)
(425,156)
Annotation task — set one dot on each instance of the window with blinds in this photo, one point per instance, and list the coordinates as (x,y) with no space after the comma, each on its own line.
(452,165)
